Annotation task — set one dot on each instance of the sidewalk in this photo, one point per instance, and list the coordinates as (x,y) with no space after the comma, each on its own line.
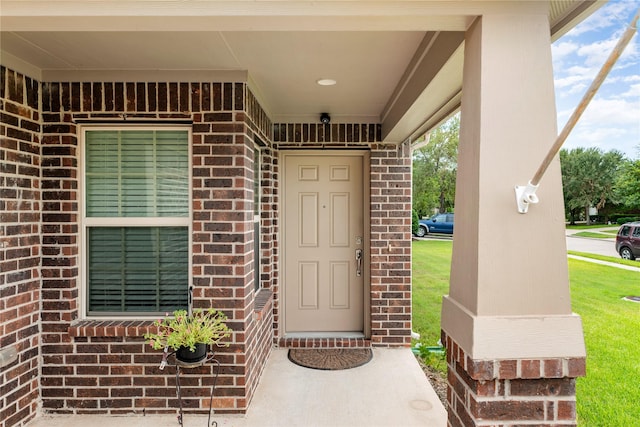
(610,264)
(390,390)
(599,230)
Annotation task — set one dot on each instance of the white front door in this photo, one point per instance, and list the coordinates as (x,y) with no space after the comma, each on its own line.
(323,253)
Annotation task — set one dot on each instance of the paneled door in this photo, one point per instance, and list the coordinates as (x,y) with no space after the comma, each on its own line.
(323,252)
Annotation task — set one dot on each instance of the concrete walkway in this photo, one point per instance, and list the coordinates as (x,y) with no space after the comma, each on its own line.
(390,390)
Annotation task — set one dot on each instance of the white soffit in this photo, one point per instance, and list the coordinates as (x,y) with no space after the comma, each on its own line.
(285,66)
(122,50)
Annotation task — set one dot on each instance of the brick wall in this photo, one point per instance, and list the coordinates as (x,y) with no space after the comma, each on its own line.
(104,367)
(60,267)
(509,393)
(20,203)
(390,222)
(391,245)
(335,135)
(260,332)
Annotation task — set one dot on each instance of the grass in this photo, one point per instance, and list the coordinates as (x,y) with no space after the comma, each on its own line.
(612,231)
(586,227)
(431,265)
(593,235)
(609,394)
(615,260)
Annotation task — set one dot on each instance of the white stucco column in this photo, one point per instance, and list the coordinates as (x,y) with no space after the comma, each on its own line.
(509,295)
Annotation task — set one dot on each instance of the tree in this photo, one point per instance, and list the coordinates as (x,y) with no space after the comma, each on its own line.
(628,185)
(588,179)
(415,225)
(434,169)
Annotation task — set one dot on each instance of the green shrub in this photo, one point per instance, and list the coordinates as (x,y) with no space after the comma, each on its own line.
(625,219)
(414,221)
(434,356)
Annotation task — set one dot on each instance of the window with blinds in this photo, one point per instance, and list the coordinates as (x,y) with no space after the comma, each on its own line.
(136,220)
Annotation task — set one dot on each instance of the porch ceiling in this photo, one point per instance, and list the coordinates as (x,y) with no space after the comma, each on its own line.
(395,62)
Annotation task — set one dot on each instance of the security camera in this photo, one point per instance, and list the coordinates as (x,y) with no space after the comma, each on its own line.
(324,118)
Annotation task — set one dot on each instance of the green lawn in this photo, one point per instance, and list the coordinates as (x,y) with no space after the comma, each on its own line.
(615,260)
(594,235)
(431,264)
(612,231)
(610,393)
(586,227)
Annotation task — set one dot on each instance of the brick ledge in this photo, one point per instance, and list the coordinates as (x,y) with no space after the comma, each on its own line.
(137,328)
(263,303)
(322,342)
(110,328)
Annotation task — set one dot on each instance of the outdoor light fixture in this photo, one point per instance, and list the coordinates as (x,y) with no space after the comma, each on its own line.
(325,118)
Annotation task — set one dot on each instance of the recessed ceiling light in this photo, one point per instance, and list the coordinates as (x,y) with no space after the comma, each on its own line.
(326,82)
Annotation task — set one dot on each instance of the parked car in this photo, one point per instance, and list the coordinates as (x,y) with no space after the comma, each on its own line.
(628,240)
(439,223)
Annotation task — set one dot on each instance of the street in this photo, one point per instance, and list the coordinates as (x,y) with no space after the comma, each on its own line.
(593,246)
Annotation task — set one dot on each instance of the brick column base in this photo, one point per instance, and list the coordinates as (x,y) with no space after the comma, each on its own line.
(505,393)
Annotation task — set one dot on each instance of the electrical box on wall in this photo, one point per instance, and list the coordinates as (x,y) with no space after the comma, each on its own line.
(8,355)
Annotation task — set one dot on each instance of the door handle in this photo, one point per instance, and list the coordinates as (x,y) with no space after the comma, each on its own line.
(358,262)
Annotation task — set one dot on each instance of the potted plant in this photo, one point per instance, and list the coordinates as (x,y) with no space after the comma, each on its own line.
(189,335)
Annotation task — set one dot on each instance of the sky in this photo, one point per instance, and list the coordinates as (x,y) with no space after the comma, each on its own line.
(612,119)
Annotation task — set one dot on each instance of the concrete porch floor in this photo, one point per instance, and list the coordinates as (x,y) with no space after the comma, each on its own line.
(390,390)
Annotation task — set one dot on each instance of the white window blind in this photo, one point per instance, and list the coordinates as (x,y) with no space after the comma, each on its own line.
(136,221)
(137,174)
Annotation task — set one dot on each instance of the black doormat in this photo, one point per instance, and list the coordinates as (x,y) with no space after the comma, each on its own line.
(330,359)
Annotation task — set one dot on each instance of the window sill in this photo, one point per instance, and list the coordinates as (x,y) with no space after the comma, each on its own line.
(137,328)
(263,303)
(110,328)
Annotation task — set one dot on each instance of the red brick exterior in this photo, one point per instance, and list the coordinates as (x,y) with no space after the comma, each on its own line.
(91,366)
(20,245)
(390,222)
(506,393)
(104,367)
(391,245)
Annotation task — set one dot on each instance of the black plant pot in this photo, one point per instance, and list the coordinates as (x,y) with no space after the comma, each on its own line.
(184,354)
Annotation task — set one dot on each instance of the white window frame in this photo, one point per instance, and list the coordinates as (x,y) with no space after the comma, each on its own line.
(87,222)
